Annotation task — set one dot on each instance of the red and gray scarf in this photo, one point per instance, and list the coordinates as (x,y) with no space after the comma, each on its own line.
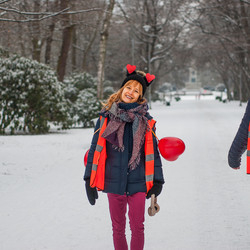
(115,129)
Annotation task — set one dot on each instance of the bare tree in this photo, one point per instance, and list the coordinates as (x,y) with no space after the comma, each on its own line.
(36,41)
(227,22)
(157,28)
(66,42)
(103,46)
(50,32)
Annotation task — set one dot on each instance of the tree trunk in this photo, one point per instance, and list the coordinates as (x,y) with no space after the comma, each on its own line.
(102,47)
(21,40)
(66,41)
(62,60)
(74,39)
(246,57)
(73,50)
(49,38)
(86,51)
(49,43)
(36,39)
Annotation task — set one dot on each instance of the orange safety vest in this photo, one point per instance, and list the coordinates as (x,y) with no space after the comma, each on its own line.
(97,177)
(248,151)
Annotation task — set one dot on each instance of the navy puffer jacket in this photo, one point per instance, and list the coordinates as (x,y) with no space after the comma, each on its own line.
(239,144)
(118,178)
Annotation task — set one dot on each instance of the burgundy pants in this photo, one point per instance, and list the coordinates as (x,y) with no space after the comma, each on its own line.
(118,207)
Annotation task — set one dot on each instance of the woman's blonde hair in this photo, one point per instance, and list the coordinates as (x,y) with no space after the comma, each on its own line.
(116,97)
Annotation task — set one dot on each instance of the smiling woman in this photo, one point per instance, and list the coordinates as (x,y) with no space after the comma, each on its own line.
(131,88)
(123,159)
(132,92)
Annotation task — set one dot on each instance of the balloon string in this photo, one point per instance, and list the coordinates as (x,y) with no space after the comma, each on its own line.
(155,135)
(97,130)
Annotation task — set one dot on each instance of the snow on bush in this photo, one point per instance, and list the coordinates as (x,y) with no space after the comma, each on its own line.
(30,96)
(81,93)
(108,89)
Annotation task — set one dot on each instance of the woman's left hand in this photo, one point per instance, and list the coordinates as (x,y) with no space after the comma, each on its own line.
(156,190)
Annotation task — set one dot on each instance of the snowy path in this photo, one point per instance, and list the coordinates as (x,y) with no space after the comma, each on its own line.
(204,204)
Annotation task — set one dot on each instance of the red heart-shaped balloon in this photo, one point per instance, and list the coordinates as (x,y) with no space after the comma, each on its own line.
(131,68)
(171,148)
(149,77)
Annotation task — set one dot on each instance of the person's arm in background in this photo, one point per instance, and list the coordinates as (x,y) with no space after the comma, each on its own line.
(239,144)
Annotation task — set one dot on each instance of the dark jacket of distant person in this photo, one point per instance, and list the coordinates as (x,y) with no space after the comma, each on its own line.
(239,144)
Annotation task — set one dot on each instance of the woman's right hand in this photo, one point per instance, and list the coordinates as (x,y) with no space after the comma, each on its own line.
(91,192)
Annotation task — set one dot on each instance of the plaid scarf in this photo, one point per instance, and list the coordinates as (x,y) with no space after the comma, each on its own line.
(115,129)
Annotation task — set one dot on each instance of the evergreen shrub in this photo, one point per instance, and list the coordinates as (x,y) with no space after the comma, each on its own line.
(81,93)
(31,97)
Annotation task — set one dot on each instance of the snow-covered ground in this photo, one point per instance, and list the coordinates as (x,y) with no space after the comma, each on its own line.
(204,205)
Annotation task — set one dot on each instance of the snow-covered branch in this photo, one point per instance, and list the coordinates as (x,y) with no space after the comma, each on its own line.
(4,1)
(44,15)
(155,58)
(244,1)
(33,19)
(212,31)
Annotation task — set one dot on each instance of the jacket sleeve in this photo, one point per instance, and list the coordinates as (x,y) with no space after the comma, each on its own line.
(158,174)
(91,151)
(239,144)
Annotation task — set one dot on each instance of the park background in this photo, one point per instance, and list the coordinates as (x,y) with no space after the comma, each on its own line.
(60,59)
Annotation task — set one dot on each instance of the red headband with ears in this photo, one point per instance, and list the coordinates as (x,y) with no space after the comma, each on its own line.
(131,70)
(132,74)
